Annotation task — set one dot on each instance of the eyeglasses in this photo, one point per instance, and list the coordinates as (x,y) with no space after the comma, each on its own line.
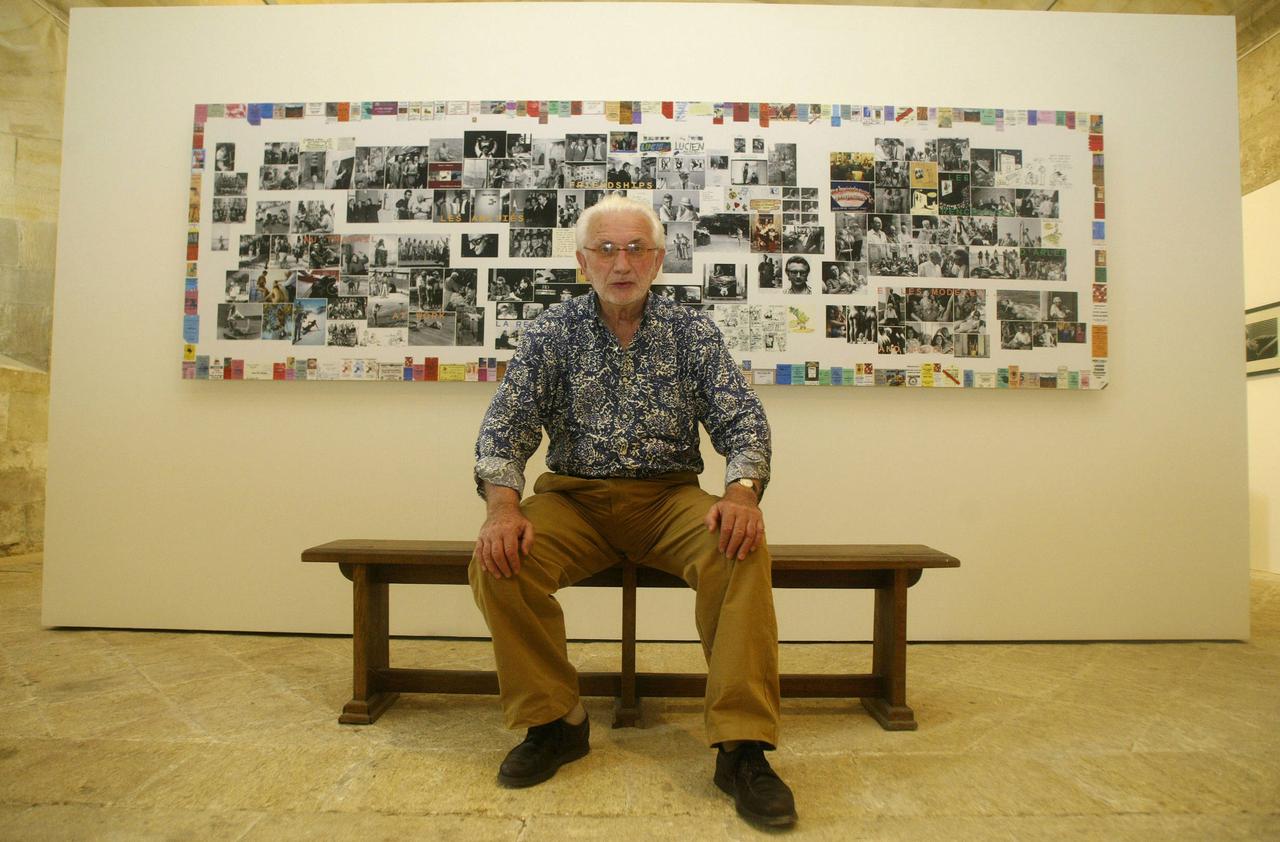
(632,250)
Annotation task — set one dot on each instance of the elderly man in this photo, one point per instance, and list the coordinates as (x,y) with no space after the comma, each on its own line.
(621,380)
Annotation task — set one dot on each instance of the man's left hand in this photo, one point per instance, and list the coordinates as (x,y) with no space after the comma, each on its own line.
(739,519)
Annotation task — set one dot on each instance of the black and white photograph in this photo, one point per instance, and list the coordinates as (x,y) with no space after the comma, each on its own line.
(677,205)
(843,277)
(271,218)
(1037,203)
(452,206)
(237,284)
(313,216)
(479,245)
(445,149)
(529,242)
(892,260)
(470,327)
(1059,306)
(679,245)
(994,262)
(510,285)
(388,310)
(278,178)
(324,251)
(426,289)
(983,167)
(254,250)
(850,236)
(422,250)
(281,152)
(533,208)
(782,164)
(862,327)
(803,234)
(230,184)
(953,194)
(433,327)
(973,345)
(311,170)
(1043,264)
(484,144)
(459,288)
(953,154)
(231,210)
(224,157)
(1017,305)
(366,206)
(406,167)
(925,304)
(239,321)
(339,168)
(591,148)
(318,284)
(768,273)
(342,334)
(723,232)
(748,171)
(491,206)
(724,282)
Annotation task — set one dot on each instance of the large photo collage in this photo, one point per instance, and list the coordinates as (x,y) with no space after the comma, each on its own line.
(916,245)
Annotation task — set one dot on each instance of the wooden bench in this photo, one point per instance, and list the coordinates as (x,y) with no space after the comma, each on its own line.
(889,569)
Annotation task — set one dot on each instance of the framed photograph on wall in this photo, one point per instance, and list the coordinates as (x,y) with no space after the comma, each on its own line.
(1260,352)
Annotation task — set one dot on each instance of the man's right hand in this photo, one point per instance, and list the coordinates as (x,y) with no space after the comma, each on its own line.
(506,534)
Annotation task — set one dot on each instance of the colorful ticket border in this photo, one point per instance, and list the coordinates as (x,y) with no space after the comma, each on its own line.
(196,366)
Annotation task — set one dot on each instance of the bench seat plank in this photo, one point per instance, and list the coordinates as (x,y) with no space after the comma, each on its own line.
(888,569)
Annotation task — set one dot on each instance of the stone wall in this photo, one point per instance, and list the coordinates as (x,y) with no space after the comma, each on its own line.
(24,425)
(1258,43)
(32,76)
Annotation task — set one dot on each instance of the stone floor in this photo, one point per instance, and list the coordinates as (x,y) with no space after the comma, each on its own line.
(140,735)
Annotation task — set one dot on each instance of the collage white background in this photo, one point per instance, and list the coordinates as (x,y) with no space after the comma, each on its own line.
(814,141)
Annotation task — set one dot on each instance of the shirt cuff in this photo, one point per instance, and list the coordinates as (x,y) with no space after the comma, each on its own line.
(496,470)
(748,464)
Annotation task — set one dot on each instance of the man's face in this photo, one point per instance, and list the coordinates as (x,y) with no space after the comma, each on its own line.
(876,223)
(621,280)
(798,274)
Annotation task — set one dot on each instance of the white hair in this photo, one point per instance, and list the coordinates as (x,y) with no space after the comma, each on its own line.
(615,203)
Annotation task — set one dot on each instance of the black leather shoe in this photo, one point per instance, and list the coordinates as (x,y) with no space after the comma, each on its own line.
(758,792)
(545,749)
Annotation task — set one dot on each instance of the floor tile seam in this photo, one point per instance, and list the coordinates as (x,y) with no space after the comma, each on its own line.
(179,710)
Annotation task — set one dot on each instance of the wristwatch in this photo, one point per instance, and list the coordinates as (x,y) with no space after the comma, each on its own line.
(754,485)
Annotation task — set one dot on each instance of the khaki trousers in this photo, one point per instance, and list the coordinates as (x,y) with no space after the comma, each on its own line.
(582,526)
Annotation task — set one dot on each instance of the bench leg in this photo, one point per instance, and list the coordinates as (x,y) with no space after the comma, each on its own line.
(372,649)
(889,658)
(626,711)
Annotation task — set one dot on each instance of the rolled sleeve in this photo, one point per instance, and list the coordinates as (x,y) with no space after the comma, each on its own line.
(512,427)
(733,414)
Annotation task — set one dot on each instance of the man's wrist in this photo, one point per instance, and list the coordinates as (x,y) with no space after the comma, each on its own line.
(745,487)
(500,497)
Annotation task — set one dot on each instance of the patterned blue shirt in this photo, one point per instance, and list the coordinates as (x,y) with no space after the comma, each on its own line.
(615,412)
